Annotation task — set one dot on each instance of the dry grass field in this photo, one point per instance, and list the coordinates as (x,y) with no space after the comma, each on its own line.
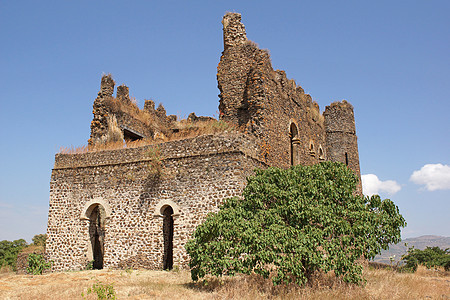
(144,284)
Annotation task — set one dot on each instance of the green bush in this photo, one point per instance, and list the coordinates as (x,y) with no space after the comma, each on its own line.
(292,223)
(39,239)
(103,291)
(90,265)
(430,257)
(37,264)
(9,251)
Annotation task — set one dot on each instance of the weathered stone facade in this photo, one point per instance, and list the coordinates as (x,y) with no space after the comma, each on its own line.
(137,207)
(195,176)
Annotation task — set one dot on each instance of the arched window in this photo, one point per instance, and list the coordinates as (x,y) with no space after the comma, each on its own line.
(312,150)
(97,234)
(168,237)
(321,153)
(294,141)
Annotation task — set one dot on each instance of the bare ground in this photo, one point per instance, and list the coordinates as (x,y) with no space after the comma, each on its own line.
(145,284)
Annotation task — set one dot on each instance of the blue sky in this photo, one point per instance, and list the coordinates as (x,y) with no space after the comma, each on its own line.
(390,59)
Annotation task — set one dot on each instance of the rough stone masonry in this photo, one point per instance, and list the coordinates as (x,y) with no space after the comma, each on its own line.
(137,207)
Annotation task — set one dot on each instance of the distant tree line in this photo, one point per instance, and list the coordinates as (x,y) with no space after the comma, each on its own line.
(430,257)
(9,250)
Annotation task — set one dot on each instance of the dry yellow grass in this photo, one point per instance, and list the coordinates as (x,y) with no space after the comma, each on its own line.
(131,108)
(144,284)
(190,130)
(186,130)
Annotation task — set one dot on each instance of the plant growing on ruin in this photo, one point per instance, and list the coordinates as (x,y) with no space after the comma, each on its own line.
(37,264)
(154,163)
(292,223)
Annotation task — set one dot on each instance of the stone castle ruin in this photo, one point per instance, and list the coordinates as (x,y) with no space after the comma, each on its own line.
(137,207)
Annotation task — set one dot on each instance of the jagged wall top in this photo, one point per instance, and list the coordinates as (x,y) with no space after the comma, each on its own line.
(233,30)
(339,117)
(106,86)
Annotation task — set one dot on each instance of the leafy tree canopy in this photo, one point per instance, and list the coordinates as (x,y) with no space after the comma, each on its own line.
(291,223)
(39,239)
(9,251)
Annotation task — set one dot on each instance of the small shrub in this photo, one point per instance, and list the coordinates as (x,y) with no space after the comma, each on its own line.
(90,265)
(176,269)
(103,291)
(37,264)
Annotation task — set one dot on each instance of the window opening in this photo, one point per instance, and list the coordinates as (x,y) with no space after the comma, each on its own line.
(312,151)
(168,238)
(294,141)
(97,235)
(346,159)
(131,136)
(321,154)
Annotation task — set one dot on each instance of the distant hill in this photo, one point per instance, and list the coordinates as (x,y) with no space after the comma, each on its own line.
(420,242)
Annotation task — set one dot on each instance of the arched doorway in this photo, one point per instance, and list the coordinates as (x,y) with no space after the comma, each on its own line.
(97,235)
(168,237)
(294,141)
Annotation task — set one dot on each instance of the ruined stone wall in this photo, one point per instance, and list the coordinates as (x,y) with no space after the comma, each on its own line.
(196,176)
(134,122)
(264,103)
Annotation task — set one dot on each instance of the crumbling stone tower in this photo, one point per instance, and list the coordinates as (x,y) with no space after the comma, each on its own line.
(340,134)
(137,207)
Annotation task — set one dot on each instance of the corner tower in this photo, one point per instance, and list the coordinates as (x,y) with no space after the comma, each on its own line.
(340,136)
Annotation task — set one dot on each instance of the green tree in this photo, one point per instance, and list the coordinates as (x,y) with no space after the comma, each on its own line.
(9,251)
(291,223)
(39,239)
(429,257)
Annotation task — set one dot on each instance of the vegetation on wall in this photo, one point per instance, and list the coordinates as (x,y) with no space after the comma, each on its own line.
(185,130)
(154,163)
(294,223)
(131,108)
